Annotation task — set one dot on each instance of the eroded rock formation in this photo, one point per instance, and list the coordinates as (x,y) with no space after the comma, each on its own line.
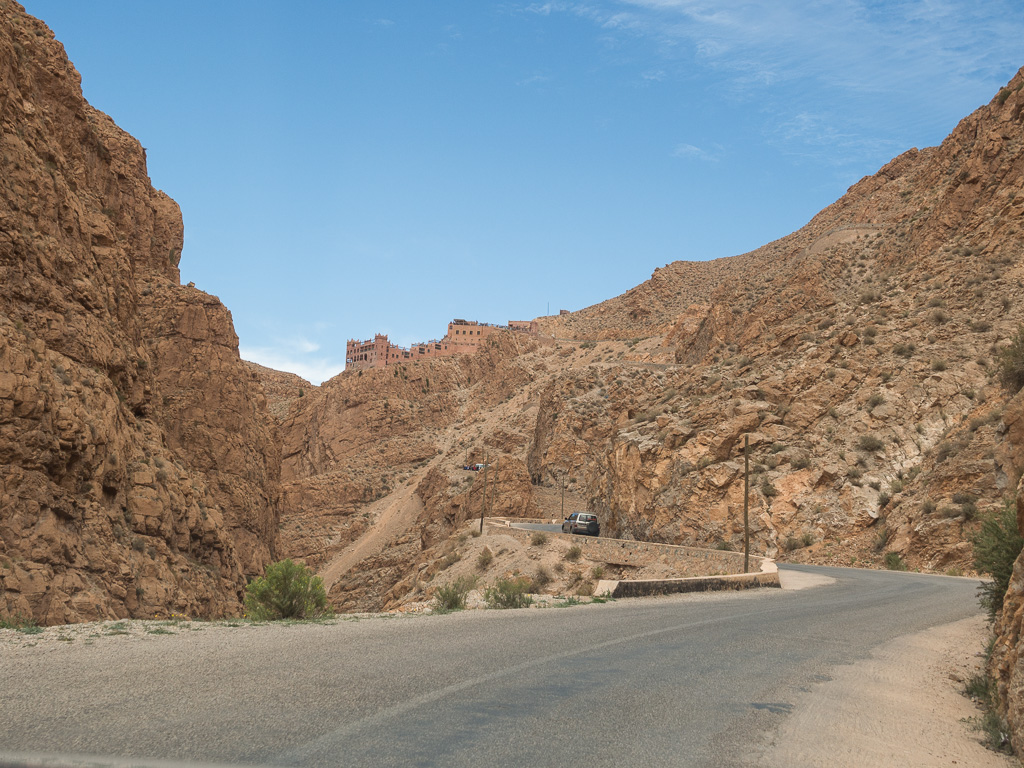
(139,472)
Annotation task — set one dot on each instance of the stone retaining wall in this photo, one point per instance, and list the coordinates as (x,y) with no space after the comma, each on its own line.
(699,570)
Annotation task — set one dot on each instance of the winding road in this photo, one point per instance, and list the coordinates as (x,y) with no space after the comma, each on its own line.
(694,680)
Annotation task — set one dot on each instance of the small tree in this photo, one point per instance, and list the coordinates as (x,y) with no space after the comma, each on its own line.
(996,547)
(287,591)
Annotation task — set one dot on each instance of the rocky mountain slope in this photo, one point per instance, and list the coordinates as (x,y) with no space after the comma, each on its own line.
(856,355)
(145,469)
(139,470)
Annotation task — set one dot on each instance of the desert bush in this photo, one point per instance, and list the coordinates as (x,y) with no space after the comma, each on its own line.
(943,451)
(875,400)
(894,562)
(870,443)
(597,572)
(996,547)
(768,489)
(928,506)
(585,588)
(881,539)
(883,499)
(20,622)
(287,590)
(1011,363)
(801,462)
(539,539)
(573,553)
(938,364)
(509,593)
(904,350)
(484,559)
(452,596)
(541,577)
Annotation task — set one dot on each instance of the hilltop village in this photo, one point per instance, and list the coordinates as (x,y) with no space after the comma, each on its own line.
(463,337)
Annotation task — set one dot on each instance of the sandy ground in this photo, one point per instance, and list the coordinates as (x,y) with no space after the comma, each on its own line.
(904,706)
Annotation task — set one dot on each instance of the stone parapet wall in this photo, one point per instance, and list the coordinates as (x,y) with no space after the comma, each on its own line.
(686,561)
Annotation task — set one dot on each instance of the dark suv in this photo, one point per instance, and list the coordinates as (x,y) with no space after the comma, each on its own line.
(582,522)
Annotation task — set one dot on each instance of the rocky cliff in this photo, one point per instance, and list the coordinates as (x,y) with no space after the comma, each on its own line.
(856,356)
(139,472)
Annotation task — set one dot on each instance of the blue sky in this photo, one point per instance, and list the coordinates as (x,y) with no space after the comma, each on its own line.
(348,168)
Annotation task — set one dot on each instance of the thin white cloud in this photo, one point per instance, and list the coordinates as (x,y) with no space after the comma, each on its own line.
(304,345)
(533,80)
(315,370)
(874,68)
(691,152)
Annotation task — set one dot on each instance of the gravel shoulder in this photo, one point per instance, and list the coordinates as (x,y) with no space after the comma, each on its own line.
(903,706)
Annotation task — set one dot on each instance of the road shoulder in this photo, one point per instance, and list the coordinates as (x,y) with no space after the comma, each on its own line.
(902,706)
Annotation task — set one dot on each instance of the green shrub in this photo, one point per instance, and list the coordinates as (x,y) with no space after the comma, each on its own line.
(573,553)
(904,350)
(452,596)
(20,622)
(539,539)
(1011,363)
(894,562)
(288,590)
(509,593)
(768,489)
(996,546)
(870,443)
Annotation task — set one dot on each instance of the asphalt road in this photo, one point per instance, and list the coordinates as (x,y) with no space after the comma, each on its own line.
(551,527)
(694,680)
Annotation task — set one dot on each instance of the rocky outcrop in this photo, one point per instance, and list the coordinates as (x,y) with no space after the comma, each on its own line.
(138,469)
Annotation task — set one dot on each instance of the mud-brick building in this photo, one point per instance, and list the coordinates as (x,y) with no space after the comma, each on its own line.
(464,337)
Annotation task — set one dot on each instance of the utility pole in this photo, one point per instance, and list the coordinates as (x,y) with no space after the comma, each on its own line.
(746,503)
(563,495)
(481,511)
(494,484)
(483,501)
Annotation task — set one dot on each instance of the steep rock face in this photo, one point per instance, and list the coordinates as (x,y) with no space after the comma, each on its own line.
(1007,662)
(138,472)
(855,355)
